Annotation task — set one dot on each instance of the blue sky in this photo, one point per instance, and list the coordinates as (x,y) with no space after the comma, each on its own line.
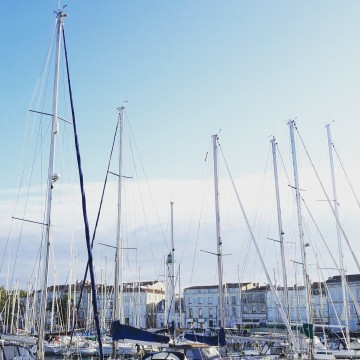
(188,69)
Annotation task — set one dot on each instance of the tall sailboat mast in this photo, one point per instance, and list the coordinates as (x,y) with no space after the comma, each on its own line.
(117,312)
(171,274)
(218,237)
(180,304)
(52,177)
(291,124)
(280,228)
(139,299)
(338,233)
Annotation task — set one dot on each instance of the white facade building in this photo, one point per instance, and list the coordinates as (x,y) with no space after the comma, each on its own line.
(336,303)
(297,305)
(161,316)
(243,304)
(140,306)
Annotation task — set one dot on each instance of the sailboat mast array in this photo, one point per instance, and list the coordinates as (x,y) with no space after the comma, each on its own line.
(52,177)
(279,305)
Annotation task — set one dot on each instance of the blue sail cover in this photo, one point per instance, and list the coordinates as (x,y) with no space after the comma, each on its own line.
(120,331)
(212,340)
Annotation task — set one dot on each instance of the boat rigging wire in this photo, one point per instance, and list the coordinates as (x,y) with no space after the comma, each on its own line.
(301,197)
(346,175)
(147,183)
(277,300)
(205,192)
(316,226)
(86,224)
(24,153)
(328,200)
(338,221)
(331,255)
(141,196)
(96,226)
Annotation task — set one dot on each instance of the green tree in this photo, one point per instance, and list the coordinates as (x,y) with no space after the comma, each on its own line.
(3,296)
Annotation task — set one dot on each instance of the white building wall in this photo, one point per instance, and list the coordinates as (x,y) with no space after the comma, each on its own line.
(335,304)
(297,305)
(202,306)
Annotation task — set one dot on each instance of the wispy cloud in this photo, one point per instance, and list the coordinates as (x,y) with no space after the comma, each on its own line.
(145,226)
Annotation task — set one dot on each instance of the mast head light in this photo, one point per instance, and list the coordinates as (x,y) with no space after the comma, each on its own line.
(55,177)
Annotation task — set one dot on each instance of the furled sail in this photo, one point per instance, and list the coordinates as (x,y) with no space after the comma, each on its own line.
(212,340)
(120,332)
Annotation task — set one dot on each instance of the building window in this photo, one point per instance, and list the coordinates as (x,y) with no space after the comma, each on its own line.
(210,313)
(234,312)
(190,313)
(210,300)
(199,300)
(200,313)
(233,300)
